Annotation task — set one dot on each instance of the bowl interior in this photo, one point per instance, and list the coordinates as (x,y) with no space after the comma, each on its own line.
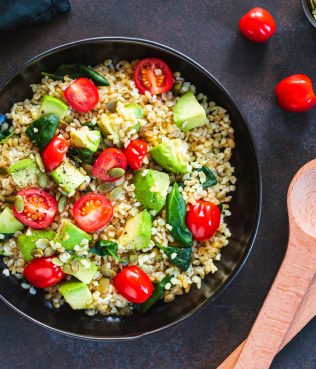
(245,206)
(308,13)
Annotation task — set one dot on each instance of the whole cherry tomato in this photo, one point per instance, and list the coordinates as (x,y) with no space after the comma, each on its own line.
(257,25)
(55,152)
(133,284)
(109,159)
(203,220)
(82,95)
(43,273)
(135,153)
(295,93)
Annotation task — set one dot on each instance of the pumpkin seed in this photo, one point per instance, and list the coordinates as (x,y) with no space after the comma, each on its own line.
(19,204)
(68,119)
(88,169)
(126,311)
(43,180)
(4,171)
(177,87)
(111,106)
(57,261)
(108,272)
(104,284)
(105,187)
(115,193)
(133,258)
(39,162)
(49,252)
(74,265)
(37,253)
(62,202)
(116,172)
(58,194)
(66,269)
(42,243)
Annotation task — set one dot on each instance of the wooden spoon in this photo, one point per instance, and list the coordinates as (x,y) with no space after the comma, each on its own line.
(293,278)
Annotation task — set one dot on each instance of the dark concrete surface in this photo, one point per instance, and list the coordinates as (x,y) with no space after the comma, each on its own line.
(206,31)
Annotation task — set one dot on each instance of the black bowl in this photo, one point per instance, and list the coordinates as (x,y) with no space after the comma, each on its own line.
(245,206)
(308,13)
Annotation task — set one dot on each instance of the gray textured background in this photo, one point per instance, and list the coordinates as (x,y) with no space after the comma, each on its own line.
(206,31)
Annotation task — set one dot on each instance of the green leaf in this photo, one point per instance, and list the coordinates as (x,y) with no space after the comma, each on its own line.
(5,135)
(176,212)
(179,256)
(211,179)
(67,69)
(53,76)
(105,247)
(42,130)
(96,77)
(81,156)
(156,295)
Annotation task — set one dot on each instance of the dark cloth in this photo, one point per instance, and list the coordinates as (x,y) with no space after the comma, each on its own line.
(17,13)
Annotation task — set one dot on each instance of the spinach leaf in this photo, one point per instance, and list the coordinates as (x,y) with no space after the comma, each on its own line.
(68,69)
(181,184)
(81,156)
(156,295)
(42,130)
(211,179)
(96,77)
(105,247)
(176,211)
(179,256)
(5,135)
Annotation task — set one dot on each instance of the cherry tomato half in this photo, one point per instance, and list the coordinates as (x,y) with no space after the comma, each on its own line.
(82,95)
(55,152)
(39,210)
(153,75)
(135,153)
(43,273)
(295,93)
(257,25)
(203,220)
(92,212)
(133,284)
(108,159)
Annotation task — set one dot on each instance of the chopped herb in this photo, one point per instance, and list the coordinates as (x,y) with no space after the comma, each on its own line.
(104,248)
(81,156)
(42,130)
(211,179)
(179,256)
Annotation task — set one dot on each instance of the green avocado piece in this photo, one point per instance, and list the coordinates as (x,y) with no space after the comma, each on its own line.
(68,177)
(188,113)
(76,294)
(9,223)
(136,109)
(109,127)
(69,235)
(27,243)
(171,155)
(24,173)
(137,231)
(151,188)
(84,274)
(53,105)
(86,139)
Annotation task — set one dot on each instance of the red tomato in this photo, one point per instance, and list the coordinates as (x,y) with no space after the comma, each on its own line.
(135,153)
(82,95)
(108,159)
(55,152)
(203,220)
(39,210)
(43,273)
(257,25)
(133,284)
(92,212)
(153,75)
(295,93)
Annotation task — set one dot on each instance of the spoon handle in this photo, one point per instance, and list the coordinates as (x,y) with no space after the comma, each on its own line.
(280,306)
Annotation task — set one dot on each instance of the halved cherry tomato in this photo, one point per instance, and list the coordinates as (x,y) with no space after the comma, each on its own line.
(40,208)
(92,212)
(55,152)
(257,25)
(108,159)
(135,153)
(82,95)
(133,284)
(203,220)
(153,75)
(295,93)
(43,273)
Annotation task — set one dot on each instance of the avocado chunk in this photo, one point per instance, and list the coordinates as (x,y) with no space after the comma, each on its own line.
(52,105)
(84,274)
(188,113)
(137,232)
(27,243)
(68,177)
(86,139)
(76,294)
(171,155)
(24,173)
(69,235)
(9,223)
(151,188)
(109,126)
(134,109)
